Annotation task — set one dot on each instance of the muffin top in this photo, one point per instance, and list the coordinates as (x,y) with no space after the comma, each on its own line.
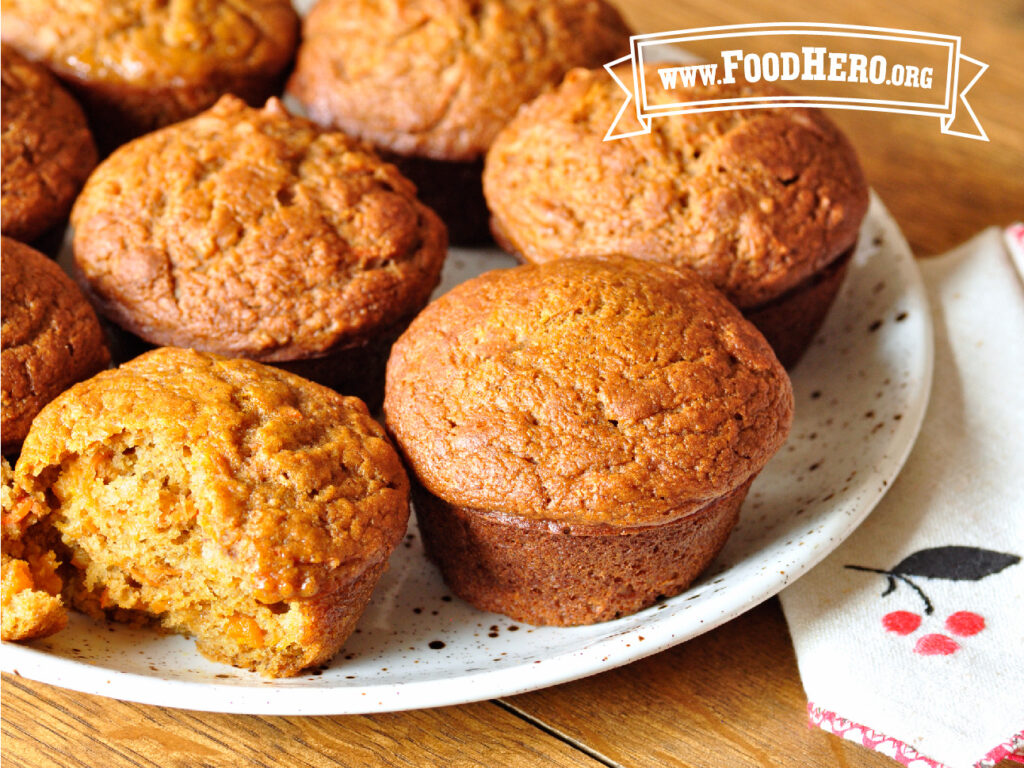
(254,233)
(47,149)
(755,200)
(293,482)
(441,77)
(585,391)
(51,337)
(153,43)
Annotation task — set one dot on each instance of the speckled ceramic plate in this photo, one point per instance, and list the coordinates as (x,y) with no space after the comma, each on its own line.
(861,392)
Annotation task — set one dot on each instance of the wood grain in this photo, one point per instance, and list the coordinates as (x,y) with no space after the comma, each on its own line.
(47,726)
(729,698)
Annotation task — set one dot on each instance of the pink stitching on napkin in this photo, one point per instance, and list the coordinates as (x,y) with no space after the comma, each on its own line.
(902,753)
(847,729)
(1016,231)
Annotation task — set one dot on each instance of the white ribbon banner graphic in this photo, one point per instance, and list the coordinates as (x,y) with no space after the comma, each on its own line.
(866,68)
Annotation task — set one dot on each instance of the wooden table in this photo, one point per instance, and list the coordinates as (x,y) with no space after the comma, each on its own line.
(731,697)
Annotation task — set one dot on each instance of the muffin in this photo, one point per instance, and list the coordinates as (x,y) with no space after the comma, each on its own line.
(253,233)
(223,499)
(30,587)
(47,149)
(581,433)
(765,203)
(138,65)
(51,338)
(432,83)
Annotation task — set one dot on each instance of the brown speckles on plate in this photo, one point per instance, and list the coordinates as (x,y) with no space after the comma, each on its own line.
(784,525)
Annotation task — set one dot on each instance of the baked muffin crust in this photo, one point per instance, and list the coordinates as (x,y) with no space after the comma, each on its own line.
(254,233)
(584,391)
(51,337)
(543,572)
(439,78)
(142,64)
(228,499)
(47,149)
(757,201)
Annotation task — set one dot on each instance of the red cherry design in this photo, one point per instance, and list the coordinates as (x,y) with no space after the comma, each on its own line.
(965,623)
(936,645)
(901,622)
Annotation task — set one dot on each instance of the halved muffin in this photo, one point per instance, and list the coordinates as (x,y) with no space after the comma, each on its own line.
(220,498)
(30,587)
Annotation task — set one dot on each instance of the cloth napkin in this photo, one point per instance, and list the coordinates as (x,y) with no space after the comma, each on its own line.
(910,636)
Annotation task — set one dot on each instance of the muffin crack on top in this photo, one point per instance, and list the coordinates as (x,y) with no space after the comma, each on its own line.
(439,79)
(568,390)
(582,433)
(758,201)
(254,233)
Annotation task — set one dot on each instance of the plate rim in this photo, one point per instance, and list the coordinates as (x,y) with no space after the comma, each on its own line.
(265,697)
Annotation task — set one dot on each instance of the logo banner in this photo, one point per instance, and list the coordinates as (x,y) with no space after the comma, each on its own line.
(850,67)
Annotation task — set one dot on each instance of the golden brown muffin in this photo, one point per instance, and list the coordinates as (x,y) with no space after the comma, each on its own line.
(47,149)
(584,432)
(29,585)
(142,64)
(437,79)
(761,202)
(253,233)
(51,337)
(226,499)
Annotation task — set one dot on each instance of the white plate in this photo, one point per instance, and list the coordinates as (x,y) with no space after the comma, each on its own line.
(861,392)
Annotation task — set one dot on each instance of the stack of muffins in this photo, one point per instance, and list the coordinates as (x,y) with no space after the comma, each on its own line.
(579,432)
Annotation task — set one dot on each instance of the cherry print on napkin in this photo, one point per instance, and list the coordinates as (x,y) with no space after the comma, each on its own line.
(965,623)
(936,645)
(953,563)
(901,622)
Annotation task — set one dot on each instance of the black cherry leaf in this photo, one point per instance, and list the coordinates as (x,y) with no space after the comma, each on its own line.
(954,563)
(951,563)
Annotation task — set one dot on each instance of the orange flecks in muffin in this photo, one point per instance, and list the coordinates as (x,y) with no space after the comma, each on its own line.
(189,494)
(29,585)
(245,631)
